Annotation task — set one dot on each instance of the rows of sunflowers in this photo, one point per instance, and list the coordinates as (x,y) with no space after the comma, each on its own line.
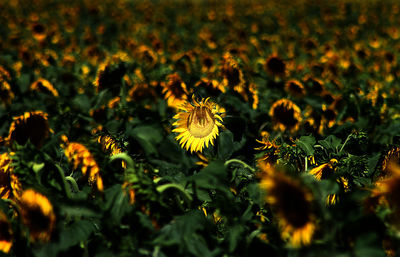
(199,128)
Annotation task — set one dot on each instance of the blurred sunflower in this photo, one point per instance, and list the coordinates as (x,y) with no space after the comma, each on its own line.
(10,186)
(392,156)
(175,90)
(32,126)
(110,74)
(5,234)
(38,31)
(81,156)
(286,115)
(292,203)
(212,86)
(197,124)
(387,191)
(232,74)
(295,88)
(43,85)
(37,214)
(275,66)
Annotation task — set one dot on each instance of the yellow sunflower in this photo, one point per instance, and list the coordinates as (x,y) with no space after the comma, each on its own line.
(324,171)
(5,233)
(197,124)
(31,126)
(109,144)
(81,156)
(286,115)
(37,214)
(292,203)
(175,90)
(44,85)
(10,186)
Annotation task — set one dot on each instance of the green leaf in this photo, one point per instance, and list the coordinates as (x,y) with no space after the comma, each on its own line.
(330,143)
(148,137)
(306,143)
(225,145)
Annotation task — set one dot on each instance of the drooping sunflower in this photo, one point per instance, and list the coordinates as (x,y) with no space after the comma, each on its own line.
(325,171)
(10,186)
(109,144)
(5,234)
(31,126)
(295,88)
(286,115)
(37,214)
(270,148)
(293,204)
(79,155)
(175,90)
(197,124)
(43,85)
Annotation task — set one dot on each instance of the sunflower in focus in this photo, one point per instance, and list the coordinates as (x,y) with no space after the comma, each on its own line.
(197,124)
(79,155)
(392,156)
(292,203)
(43,85)
(31,126)
(5,234)
(10,186)
(109,144)
(286,115)
(175,90)
(37,214)
(270,148)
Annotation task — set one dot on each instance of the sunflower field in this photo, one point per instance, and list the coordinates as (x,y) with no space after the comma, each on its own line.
(199,128)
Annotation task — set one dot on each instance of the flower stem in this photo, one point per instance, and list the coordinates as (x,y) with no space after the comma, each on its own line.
(240,162)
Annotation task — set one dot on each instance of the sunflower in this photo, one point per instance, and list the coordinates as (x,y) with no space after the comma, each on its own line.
(10,187)
(109,75)
(37,214)
(197,124)
(175,90)
(81,156)
(270,148)
(232,74)
(38,31)
(109,144)
(325,171)
(5,233)
(212,86)
(295,88)
(275,66)
(286,115)
(292,203)
(392,156)
(31,126)
(44,85)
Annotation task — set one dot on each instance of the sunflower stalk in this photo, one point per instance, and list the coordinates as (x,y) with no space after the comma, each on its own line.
(162,188)
(67,189)
(240,162)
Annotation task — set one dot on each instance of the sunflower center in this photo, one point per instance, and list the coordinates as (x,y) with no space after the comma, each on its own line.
(200,122)
(5,234)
